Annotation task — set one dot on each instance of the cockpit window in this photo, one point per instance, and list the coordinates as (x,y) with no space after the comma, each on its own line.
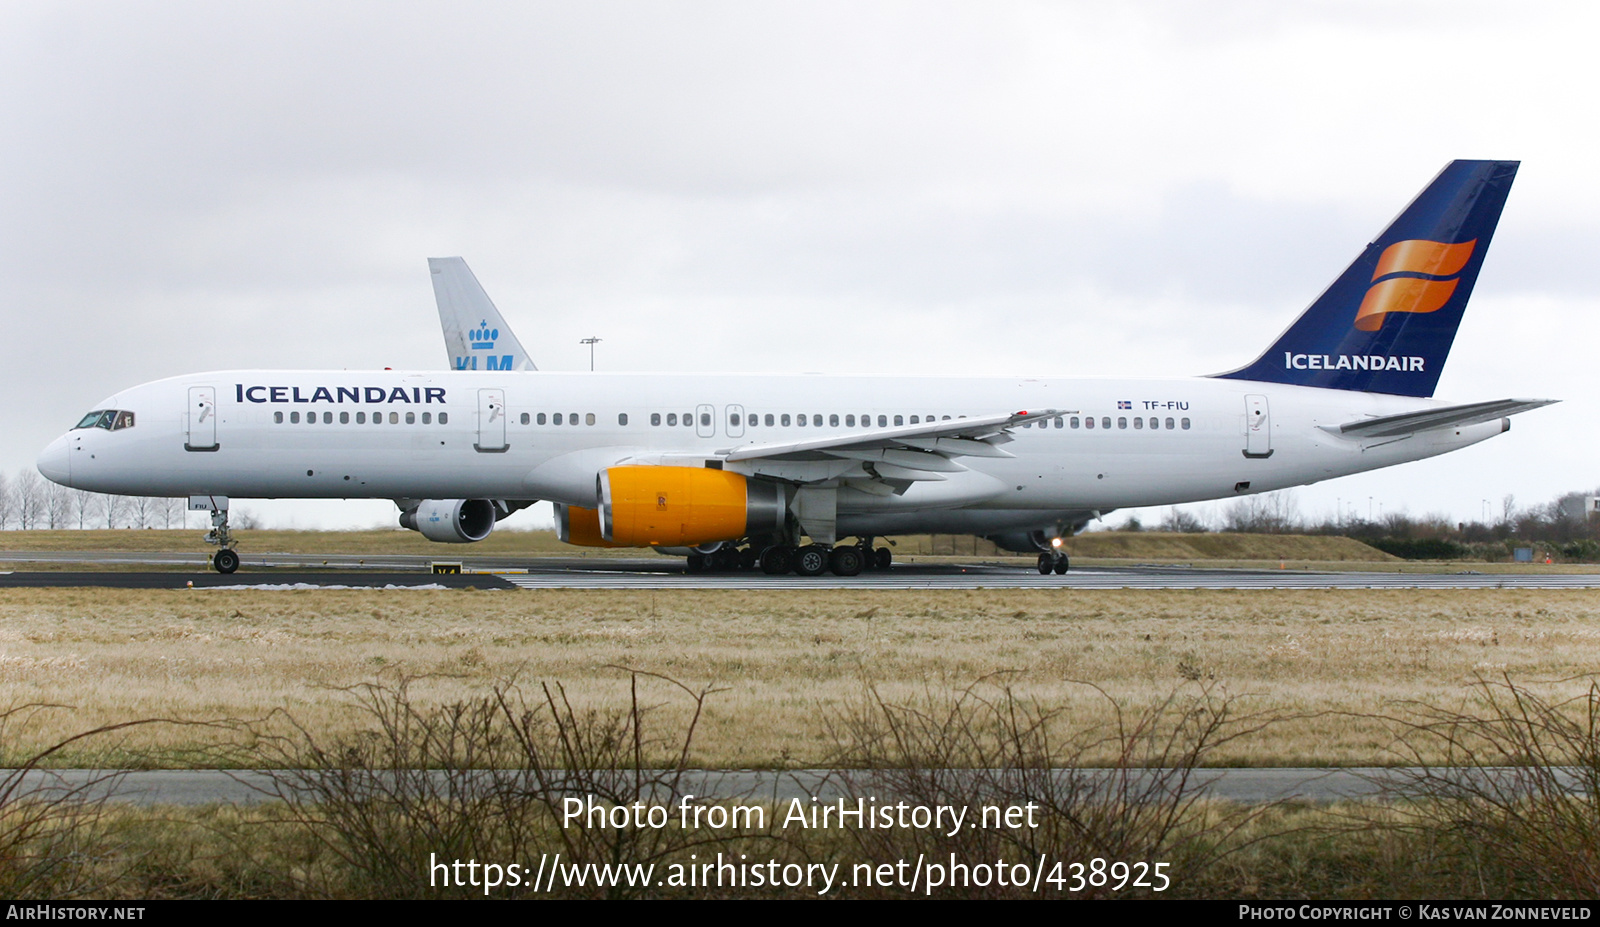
(109,419)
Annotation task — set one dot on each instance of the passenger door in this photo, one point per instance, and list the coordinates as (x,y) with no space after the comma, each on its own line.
(1257,427)
(200,420)
(491,421)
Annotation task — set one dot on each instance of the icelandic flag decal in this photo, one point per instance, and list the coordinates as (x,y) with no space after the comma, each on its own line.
(1124,404)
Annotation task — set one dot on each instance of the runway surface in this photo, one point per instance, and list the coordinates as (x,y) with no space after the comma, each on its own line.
(289,571)
(247,787)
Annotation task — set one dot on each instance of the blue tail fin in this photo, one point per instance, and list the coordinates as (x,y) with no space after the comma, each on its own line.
(1386,325)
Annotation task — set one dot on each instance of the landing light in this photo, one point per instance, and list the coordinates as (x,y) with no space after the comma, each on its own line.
(1055,542)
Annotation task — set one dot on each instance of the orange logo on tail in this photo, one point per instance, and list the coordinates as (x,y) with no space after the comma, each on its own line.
(1412,294)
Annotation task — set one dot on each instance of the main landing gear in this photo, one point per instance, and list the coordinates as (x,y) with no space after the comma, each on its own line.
(1052,562)
(779,559)
(225,560)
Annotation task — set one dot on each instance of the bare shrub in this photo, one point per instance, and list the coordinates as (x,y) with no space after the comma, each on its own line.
(53,838)
(486,779)
(1129,791)
(1506,789)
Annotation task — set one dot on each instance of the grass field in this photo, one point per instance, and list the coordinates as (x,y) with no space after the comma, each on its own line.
(788,664)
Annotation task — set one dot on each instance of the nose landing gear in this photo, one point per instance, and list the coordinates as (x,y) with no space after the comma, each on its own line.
(225,560)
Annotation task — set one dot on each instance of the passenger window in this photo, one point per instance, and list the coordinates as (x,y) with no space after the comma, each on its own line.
(1089,422)
(622,418)
(588,418)
(1075,421)
(1122,422)
(1105,421)
(526,418)
(572,418)
(540,418)
(1138,422)
(899,420)
(411,418)
(327,418)
(344,418)
(833,421)
(1185,423)
(294,418)
(733,419)
(655,418)
(444,418)
(944,418)
(768,419)
(361,418)
(784,420)
(753,420)
(555,419)
(914,420)
(277,417)
(1169,424)
(850,421)
(883,421)
(800,420)
(427,418)
(672,418)
(688,419)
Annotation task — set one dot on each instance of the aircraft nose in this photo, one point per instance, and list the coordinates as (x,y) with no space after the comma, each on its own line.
(56,462)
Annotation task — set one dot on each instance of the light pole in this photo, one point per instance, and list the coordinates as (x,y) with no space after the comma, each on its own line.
(591,341)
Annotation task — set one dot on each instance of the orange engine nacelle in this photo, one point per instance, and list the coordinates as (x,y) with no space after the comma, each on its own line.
(685,506)
(580,526)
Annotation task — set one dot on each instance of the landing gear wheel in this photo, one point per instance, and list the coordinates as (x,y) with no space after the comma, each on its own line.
(1046,564)
(846,561)
(1061,565)
(725,560)
(881,558)
(225,560)
(811,560)
(748,558)
(776,560)
(695,564)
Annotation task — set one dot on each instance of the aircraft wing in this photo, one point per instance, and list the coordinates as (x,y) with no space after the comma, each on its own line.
(1472,413)
(913,452)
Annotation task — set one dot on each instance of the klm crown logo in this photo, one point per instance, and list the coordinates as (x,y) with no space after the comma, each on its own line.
(483,337)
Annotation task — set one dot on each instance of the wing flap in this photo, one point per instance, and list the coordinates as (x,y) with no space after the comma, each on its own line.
(961,433)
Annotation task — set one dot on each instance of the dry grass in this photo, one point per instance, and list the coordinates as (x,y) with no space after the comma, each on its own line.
(788,660)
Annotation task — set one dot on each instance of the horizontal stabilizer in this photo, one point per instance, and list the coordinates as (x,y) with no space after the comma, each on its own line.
(1406,423)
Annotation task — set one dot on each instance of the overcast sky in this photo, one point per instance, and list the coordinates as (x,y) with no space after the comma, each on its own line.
(1143,189)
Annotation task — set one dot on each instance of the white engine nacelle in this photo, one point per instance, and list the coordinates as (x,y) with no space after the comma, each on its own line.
(451,521)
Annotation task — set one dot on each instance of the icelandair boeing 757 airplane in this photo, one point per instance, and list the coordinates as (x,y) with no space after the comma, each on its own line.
(740,470)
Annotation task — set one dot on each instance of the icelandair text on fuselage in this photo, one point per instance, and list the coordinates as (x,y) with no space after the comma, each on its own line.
(1294,361)
(339,395)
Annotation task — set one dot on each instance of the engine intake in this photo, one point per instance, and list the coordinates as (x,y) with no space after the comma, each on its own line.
(451,521)
(686,506)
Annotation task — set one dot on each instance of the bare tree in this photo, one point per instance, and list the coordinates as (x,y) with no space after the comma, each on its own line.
(1182,521)
(115,509)
(57,506)
(85,505)
(1267,513)
(172,510)
(7,503)
(30,502)
(141,511)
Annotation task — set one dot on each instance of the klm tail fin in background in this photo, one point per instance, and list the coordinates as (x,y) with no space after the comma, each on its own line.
(1386,325)
(475,335)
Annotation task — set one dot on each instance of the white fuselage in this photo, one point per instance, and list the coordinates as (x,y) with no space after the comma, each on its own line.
(451,435)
